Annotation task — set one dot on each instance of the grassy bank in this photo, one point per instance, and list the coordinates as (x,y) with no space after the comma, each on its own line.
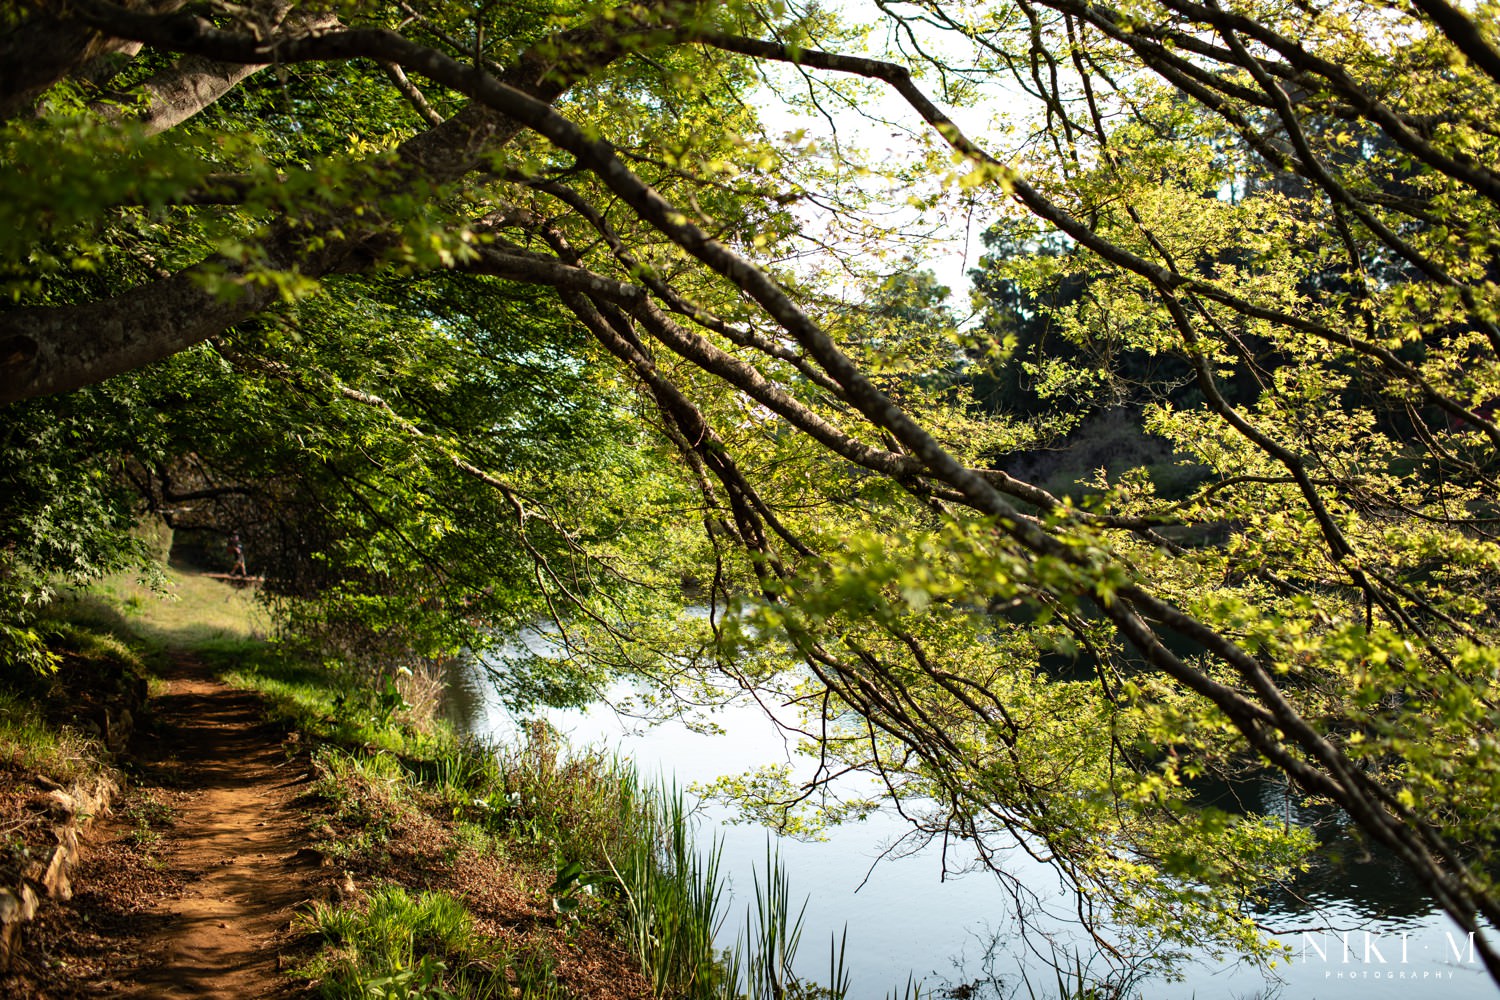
(63,736)
(62,731)
(605,863)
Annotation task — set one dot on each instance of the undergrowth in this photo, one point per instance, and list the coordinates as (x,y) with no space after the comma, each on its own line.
(28,742)
(57,730)
(46,723)
(426,945)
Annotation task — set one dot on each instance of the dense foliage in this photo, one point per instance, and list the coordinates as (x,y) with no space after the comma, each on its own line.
(468,314)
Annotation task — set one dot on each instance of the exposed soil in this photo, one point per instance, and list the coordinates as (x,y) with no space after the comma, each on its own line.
(191,889)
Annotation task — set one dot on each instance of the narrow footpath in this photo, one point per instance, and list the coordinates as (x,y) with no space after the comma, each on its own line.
(191,890)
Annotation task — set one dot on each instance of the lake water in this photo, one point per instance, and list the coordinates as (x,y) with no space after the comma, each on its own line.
(1357,926)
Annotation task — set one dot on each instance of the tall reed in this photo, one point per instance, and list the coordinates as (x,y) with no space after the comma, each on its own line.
(613,836)
(768,945)
(674,898)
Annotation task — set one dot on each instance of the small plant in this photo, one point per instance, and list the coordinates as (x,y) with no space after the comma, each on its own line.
(400,945)
(369,798)
(388,701)
(147,814)
(426,980)
(574,885)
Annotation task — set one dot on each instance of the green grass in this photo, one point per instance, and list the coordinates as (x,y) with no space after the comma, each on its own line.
(29,743)
(425,945)
(29,740)
(109,648)
(177,610)
(52,726)
(368,796)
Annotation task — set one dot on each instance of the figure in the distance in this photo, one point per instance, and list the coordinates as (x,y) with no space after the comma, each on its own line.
(238,551)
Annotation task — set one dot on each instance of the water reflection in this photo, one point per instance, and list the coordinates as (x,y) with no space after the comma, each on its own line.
(465,698)
(1357,926)
(1360,879)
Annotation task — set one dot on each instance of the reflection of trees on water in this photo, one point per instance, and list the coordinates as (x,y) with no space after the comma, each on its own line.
(1346,873)
(463,697)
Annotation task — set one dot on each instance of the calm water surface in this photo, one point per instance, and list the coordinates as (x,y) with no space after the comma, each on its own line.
(1358,929)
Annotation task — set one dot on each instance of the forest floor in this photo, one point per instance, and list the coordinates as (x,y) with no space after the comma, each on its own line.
(192,888)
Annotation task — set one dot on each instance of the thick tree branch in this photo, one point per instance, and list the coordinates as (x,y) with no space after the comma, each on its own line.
(46,46)
(194,83)
(55,349)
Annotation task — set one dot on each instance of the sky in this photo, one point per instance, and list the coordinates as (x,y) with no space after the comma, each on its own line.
(890,136)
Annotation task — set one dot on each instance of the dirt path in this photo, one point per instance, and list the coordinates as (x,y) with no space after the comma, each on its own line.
(202,908)
(235,840)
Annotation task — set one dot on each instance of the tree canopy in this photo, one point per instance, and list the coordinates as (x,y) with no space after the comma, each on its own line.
(472,313)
